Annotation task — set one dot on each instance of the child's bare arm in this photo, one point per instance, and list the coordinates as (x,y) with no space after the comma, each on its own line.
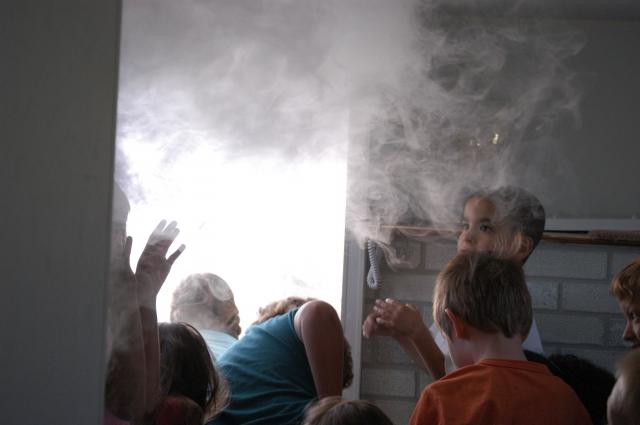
(404,323)
(318,326)
(424,351)
(151,272)
(125,381)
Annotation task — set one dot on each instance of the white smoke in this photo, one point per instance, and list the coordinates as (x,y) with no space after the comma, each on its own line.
(426,102)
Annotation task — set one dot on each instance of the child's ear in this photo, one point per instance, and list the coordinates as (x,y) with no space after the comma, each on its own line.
(458,325)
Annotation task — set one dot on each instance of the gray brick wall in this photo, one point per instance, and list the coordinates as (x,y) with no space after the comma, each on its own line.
(569,286)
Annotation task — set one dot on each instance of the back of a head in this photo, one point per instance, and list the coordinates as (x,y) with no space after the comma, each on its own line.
(201,300)
(280,307)
(335,411)
(591,383)
(623,406)
(625,286)
(186,368)
(521,209)
(486,292)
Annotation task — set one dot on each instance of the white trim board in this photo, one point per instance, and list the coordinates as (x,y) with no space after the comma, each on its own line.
(352,308)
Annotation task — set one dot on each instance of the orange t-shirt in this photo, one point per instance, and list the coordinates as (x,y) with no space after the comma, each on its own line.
(497,392)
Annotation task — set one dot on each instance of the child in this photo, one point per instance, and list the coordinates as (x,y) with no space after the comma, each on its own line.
(507,222)
(191,388)
(335,411)
(483,307)
(626,288)
(294,355)
(623,406)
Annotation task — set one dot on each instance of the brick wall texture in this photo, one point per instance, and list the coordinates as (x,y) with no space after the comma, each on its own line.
(569,285)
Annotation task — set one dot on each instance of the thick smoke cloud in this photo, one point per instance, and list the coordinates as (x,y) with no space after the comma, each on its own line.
(425,102)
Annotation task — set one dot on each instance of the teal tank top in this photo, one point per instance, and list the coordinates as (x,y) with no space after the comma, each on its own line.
(268,374)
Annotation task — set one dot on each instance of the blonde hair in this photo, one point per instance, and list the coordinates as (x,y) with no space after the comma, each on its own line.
(200,300)
(486,292)
(625,286)
(623,406)
(279,307)
(335,411)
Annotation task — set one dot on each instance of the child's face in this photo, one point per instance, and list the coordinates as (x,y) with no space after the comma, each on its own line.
(631,312)
(482,232)
(478,232)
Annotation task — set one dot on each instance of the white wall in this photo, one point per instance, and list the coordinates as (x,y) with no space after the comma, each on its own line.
(58,77)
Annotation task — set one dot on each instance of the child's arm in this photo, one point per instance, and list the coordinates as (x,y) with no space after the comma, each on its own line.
(318,327)
(403,322)
(151,272)
(125,381)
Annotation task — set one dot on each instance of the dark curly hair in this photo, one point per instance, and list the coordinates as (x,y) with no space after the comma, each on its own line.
(335,411)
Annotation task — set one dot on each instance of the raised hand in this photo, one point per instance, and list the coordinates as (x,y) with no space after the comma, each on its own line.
(154,265)
(371,327)
(397,319)
(404,323)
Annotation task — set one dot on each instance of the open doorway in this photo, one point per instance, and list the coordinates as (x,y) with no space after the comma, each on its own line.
(270,229)
(222,128)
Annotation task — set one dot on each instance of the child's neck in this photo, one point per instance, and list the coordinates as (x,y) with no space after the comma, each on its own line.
(497,346)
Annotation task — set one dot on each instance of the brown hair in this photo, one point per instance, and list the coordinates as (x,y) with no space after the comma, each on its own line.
(347,365)
(488,293)
(335,411)
(522,209)
(625,286)
(623,407)
(186,368)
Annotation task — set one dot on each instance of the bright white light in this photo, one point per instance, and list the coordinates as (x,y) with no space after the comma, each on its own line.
(270,228)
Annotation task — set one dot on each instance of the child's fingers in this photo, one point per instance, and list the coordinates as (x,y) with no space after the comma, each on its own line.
(368,326)
(171,226)
(160,226)
(384,304)
(385,327)
(173,257)
(382,312)
(384,322)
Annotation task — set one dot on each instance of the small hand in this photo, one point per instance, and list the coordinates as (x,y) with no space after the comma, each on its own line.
(154,265)
(402,320)
(371,327)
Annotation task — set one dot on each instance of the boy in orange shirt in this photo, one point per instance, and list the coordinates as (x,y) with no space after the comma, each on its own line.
(483,307)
